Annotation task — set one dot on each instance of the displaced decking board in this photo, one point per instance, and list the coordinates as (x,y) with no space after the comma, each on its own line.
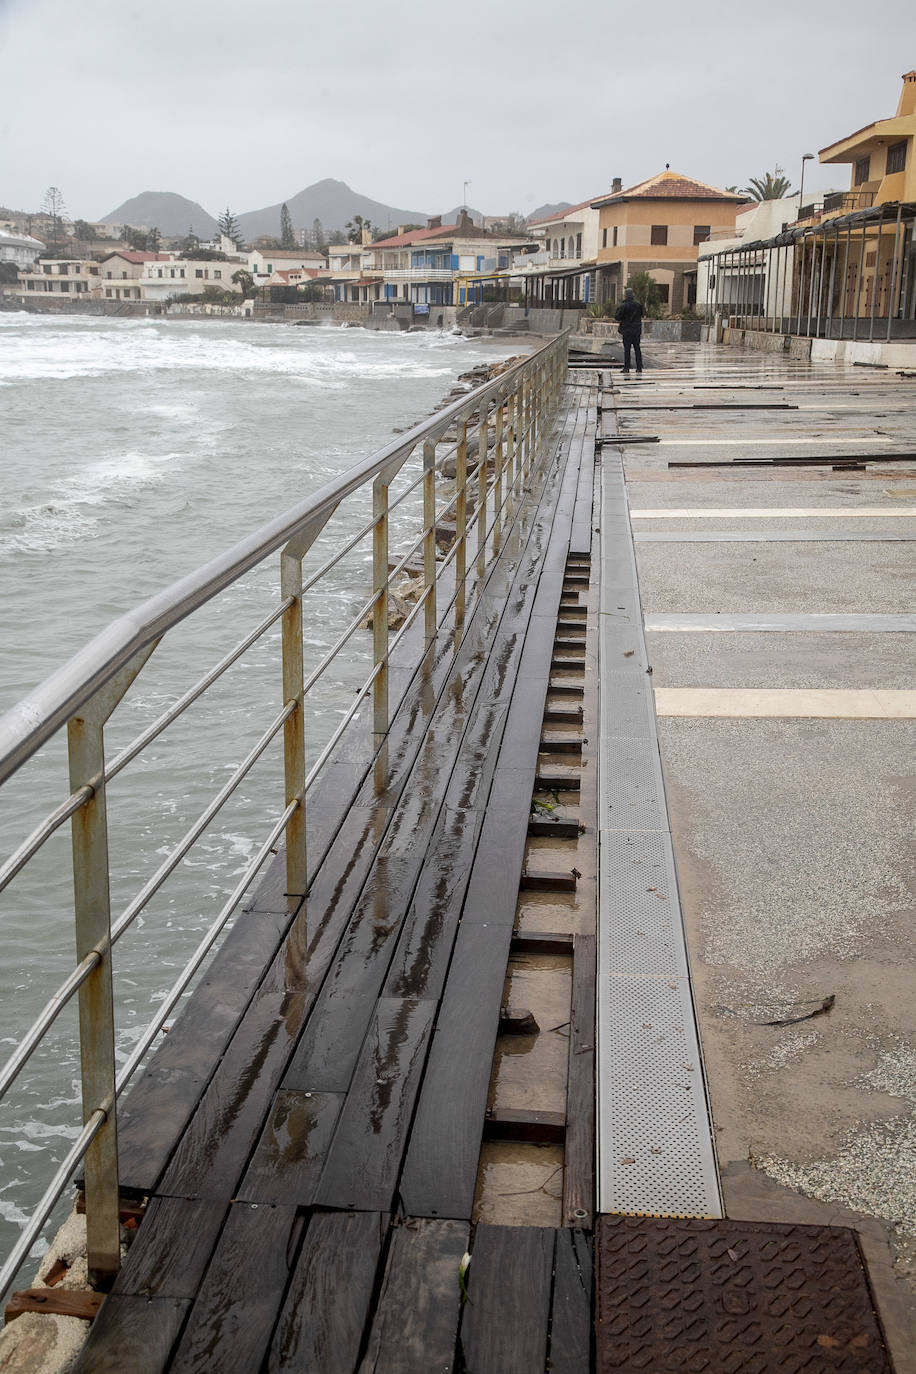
(306,1180)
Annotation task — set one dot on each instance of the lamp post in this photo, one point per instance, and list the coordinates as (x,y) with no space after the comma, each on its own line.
(806,157)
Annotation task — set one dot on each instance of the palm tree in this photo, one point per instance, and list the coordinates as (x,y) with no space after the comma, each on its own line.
(771,186)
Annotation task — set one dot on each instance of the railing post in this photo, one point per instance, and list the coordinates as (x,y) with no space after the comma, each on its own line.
(483,436)
(429,540)
(498,476)
(294,726)
(512,447)
(380,609)
(92,911)
(461,521)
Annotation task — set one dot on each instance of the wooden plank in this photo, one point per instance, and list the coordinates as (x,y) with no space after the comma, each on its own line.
(132,1333)
(548,882)
(365,1158)
(286,1166)
(579,1159)
(541,826)
(511,1123)
(56,1302)
(171,1251)
(441,1164)
(504,1325)
(542,942)
(330,1294)
(161,1102)
(230,1325)
(571,1312)
(555,780)
(415,1325)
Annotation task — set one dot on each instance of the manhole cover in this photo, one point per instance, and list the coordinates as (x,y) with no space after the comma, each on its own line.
(732,1297)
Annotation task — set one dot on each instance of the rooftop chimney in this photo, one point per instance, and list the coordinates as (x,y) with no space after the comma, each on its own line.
(402,229)
(907,104)
(465,225)
(366,237)
(434,222)
(617,186)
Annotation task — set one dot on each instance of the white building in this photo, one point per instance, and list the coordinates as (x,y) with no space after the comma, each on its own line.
(742,286)
(262,263)
(168,276)
(21,249)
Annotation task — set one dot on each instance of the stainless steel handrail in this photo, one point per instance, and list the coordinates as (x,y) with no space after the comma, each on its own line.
(87,689)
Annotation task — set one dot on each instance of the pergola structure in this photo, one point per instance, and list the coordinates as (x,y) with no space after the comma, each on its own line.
(848,277)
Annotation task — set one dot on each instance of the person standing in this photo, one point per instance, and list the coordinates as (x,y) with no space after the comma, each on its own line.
(629,315)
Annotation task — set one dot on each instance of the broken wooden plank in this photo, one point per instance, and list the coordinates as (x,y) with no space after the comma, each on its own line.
(579,1158)
(571,1309)
(542,942)
(548,882)
(57,1302)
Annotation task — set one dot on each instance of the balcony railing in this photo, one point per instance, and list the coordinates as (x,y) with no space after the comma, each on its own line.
(847,201)
(389,506)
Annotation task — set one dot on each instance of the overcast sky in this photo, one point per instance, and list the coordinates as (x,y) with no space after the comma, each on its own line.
(245,105)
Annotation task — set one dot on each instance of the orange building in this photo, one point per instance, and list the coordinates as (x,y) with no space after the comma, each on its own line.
(657,227)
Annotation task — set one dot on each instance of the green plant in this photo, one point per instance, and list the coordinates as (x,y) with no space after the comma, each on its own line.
(688,313)
(595,310)
(645,289)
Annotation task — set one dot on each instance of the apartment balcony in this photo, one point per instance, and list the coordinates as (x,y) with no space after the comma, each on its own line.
(844,202)
(420,274)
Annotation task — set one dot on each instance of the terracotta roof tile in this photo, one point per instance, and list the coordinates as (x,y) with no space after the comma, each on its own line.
(670,185)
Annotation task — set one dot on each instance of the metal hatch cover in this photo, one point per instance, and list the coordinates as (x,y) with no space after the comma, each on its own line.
(732,1297)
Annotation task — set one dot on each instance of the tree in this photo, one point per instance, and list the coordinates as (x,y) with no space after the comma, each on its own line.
(83,231)
(336,237)
(53,206)
(9,273)
(287,232)
(190,243)
(229,227)
(355,227)
(771,186)
(319,242)
(245,282)
(645,289)
(153,239)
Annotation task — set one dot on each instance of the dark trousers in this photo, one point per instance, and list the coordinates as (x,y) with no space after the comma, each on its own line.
(631,341)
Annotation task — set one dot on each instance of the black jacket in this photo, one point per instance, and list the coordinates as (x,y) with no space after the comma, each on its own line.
(629,315)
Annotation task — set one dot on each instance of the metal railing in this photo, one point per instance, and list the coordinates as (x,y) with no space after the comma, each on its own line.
(511,415)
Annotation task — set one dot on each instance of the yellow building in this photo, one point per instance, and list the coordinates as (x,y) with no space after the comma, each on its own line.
(881,156)
(657,227)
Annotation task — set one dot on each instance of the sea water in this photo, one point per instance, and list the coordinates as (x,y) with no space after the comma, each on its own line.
(131,451)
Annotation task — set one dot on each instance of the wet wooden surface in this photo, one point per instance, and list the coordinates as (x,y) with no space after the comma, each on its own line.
(309,1134)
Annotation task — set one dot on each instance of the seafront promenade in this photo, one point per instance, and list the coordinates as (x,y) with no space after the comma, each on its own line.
(590,1046)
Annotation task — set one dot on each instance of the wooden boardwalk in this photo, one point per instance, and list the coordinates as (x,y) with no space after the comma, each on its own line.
(308,1137)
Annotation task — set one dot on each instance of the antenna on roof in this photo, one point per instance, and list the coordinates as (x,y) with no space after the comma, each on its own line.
(667,166)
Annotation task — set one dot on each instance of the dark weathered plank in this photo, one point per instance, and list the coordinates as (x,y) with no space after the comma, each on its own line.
(542,942)
(548,882)
(504,1325)
(330,1294)
(579,1160)
(514,1123)
(132,1333)
(172,1249)
(161,1102)
(364,1160)
(415,1325)
(441,1165)
(231,1322)
(287,1163)
(571,1314)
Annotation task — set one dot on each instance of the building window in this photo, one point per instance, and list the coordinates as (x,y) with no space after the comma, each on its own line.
(217,275)
(659,233)
(578,245)
(604,239)
(701,233)
(159,272)
(108,292)
(663,291)
(181,272)
(896,157)
(863,167)
(198,272)
(615,235)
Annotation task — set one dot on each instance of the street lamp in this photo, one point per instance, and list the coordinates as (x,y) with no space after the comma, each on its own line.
(806,157)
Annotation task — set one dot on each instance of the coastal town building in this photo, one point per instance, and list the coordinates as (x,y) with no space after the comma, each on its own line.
(852,262)
(21,249)
(59,277)
(263,262)
(121,273)
(741,281)
(657,227)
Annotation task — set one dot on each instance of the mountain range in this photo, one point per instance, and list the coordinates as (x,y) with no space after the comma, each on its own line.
(332,202)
